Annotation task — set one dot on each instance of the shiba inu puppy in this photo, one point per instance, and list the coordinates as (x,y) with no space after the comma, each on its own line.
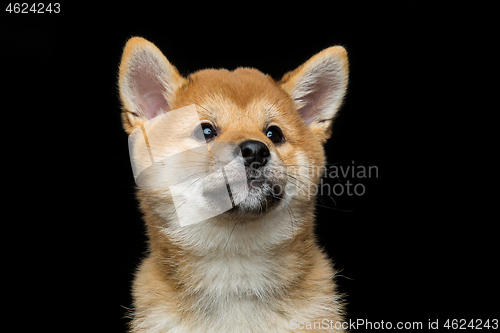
(242,151)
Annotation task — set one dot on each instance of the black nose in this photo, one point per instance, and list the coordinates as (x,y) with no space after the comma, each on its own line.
(255,153)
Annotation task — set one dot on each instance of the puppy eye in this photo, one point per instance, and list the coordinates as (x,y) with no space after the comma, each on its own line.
(275,135)
(207,133)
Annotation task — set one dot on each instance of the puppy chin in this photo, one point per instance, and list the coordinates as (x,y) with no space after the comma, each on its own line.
(261,197)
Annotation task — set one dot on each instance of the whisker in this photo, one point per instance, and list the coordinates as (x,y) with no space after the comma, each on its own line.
(234,226)
(328,207)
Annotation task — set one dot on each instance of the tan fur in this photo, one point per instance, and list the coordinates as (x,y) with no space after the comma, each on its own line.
(237,274)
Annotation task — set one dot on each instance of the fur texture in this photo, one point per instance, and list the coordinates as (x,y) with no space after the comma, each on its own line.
(253,270)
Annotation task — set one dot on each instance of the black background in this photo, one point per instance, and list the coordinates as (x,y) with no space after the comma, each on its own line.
(416,246)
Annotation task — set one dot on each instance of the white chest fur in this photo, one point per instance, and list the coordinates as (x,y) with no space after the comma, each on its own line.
(230,294)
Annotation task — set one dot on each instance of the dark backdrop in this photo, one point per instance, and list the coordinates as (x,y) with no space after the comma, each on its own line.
(409,249)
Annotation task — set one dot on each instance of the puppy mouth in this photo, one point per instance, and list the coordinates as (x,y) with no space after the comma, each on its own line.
(263,196)
(243,189)
(255,182)
(249,199)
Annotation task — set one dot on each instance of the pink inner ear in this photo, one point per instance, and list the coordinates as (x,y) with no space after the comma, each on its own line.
(312,110)
(323,87)
(154,104)
(149,89)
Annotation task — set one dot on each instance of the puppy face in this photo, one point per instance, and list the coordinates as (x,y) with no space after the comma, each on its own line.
(266,134)
(227,145)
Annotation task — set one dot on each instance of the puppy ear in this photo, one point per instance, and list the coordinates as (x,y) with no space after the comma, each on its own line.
(318,87)
(147,82)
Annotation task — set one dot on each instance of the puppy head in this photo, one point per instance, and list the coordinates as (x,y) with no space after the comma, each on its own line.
(230,144)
